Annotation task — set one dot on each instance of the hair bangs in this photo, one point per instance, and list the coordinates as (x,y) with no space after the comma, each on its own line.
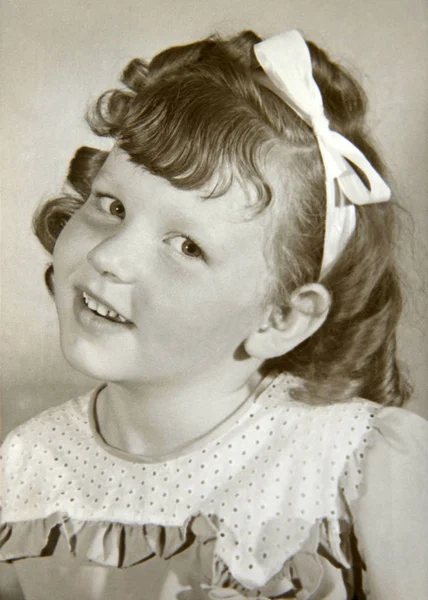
(197,135)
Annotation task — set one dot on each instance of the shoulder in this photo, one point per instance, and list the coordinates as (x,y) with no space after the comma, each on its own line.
(315,440)
(401,438)
(366,428)
(32,448)
(338,428)
(397,441)
(37,455)
(48,425)
(400,425)
(390,511)
(397,454)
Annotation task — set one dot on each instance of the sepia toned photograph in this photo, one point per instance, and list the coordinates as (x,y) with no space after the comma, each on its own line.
(214,270)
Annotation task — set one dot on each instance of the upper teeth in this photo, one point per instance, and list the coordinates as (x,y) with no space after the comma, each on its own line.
(100,308)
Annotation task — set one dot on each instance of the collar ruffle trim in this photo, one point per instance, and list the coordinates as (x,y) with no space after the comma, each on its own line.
(124,545)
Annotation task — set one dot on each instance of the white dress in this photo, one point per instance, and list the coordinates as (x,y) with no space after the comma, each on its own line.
(262,507)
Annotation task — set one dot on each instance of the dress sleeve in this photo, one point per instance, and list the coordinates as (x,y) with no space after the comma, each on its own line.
(390,512)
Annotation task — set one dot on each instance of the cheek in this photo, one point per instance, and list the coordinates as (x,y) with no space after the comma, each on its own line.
(72,246)
(224,311)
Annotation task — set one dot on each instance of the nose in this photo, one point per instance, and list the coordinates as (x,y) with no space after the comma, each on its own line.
(117,257)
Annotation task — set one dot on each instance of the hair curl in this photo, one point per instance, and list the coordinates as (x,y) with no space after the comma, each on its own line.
(197,114)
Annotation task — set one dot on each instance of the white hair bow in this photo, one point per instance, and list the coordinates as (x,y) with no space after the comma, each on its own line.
(286,61)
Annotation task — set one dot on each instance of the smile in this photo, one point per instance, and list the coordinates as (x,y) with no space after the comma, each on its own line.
(102,310)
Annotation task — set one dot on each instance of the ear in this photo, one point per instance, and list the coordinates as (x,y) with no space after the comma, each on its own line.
(280,333)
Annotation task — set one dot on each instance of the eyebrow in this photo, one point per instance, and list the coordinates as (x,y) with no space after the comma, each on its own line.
(101,192)
(100,185)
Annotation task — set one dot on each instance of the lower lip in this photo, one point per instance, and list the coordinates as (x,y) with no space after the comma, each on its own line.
(92,322)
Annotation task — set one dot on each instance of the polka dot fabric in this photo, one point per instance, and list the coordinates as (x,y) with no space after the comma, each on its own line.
(280,468)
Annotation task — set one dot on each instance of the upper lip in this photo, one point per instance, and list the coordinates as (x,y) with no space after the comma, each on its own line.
(102,301)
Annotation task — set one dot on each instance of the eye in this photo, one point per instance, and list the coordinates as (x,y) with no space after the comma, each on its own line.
(185,245)
(112,206)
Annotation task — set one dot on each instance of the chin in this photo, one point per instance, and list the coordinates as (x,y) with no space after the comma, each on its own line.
(88,361)
(90,370)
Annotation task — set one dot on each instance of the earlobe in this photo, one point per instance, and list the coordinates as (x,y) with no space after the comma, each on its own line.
(282,331)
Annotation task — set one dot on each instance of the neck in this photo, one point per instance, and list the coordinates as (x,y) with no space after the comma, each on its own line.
(158,418)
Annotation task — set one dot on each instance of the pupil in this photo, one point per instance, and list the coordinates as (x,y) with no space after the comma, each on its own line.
(117,209)
(191,248)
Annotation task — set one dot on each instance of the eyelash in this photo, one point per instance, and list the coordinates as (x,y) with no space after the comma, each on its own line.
(111,200)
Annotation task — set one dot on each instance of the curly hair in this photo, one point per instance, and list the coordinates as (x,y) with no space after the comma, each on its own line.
(198,114)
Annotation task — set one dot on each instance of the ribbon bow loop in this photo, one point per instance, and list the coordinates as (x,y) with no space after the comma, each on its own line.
(286,61)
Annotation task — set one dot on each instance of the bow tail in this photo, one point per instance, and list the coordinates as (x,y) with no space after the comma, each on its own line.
(340,221)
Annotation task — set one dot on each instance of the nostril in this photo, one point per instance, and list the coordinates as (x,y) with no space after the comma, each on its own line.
(111,276)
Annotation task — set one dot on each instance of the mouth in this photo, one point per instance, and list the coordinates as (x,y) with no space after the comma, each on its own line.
(101,310)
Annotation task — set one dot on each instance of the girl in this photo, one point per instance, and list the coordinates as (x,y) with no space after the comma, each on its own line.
(227,270)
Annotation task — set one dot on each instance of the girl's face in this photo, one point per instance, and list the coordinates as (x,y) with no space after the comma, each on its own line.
(184,278)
